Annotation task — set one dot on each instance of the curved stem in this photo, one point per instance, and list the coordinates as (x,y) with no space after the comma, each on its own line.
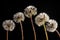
(22,31)
(7,35)
(45,32)
(58,32)
(33,29)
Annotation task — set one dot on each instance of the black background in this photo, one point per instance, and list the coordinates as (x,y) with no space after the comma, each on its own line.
(13,6)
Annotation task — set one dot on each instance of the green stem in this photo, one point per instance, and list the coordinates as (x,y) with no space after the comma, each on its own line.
(45,32)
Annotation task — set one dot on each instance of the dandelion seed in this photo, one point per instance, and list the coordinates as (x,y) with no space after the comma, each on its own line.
(18,17)
(52,26)
(30,10)
(40,20)
(8,25)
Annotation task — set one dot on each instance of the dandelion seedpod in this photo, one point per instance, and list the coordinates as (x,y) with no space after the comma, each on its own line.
(52,25)
(41,18)
(18,17)
(8,25)
(30,10)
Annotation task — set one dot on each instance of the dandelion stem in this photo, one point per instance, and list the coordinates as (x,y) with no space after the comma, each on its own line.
(45,32)
(7,35)
(22,31)
(58,32)
(33,29)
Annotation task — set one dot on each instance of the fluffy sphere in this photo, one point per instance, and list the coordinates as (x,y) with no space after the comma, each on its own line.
(41,18)
(8,25)
(18,17)
(51,25)
(29,11)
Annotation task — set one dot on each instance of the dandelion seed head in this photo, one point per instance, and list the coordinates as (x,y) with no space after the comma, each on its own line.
(39,21)
(8,25)
(51,25)
(29,11)
(41,18)
(18,17)
(44,16)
